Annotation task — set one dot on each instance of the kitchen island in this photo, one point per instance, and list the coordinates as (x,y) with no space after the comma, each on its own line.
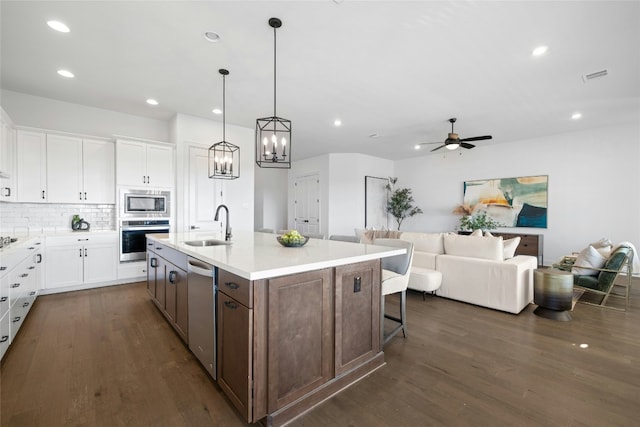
(294,325)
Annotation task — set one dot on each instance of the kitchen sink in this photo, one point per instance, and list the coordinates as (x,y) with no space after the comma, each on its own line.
(208,242)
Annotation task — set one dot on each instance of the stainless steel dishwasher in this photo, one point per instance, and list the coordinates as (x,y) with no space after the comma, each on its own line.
(202,313)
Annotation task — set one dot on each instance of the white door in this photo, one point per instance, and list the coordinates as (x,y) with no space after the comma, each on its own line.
(98,164)
(7,163)
(159,166)
(64,169)
(205,194)
(307,204)
(31,166)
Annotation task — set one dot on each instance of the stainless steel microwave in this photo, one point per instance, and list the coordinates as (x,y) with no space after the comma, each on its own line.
(145,203)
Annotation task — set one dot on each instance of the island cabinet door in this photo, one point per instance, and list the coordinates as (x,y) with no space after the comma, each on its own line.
(176,299)
(234,352)
(357,314)
(299,335)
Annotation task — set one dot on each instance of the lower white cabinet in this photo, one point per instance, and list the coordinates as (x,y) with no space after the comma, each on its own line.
(81,259)
(19,281)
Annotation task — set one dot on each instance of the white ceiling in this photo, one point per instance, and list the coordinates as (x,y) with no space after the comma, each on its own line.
(396,69)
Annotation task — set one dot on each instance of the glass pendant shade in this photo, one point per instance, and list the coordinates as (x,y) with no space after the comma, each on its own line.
(223,156)
(273,134)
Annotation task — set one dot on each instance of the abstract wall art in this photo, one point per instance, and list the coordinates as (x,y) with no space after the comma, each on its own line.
(513,202)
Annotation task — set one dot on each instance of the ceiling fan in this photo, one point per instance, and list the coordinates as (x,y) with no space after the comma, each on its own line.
(453,141)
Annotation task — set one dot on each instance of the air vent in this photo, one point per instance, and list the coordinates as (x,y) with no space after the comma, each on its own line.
(597,74)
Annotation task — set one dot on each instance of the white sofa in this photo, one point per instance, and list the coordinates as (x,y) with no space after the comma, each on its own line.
(474,269)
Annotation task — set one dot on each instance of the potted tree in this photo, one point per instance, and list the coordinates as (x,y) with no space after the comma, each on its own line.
(400,203)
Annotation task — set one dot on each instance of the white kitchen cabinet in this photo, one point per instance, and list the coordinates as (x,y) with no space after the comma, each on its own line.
(80,260)
(80,170)
(141,164)
(99,171)
(19,282)
(31,166)
(64,169)
(7,159)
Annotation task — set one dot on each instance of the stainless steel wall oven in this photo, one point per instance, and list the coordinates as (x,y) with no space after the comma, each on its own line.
(133,242)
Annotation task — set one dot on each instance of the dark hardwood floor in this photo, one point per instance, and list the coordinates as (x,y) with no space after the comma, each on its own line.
(107,357)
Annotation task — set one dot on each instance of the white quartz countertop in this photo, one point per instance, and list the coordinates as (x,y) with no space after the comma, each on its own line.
(259,255)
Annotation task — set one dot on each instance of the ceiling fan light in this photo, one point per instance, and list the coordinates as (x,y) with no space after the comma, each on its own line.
(452,146)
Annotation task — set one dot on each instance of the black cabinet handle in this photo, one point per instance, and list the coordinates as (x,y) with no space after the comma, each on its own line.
(42,194)
(31,267)
(23,275)
(153,262)
(39,258)
(85,251)
(26,304)
(15,285)
(231,305)
(231,285)
(80,252)
(172,276)
(4,338)
(85,195)
(3,268)
(8,192)
(3,299)
(81,195)
(16,319)
(32,293)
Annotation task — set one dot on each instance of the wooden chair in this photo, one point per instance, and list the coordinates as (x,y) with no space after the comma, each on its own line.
(620,260)
(395,278)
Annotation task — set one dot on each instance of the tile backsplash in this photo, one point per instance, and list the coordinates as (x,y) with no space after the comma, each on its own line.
(34,217)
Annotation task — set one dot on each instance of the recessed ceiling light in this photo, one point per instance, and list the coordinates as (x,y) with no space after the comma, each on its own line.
(540,50)
(576,116)
(152,101)
(417,146)
(337,122)
(584,345)
(374,135)
(211,36)
(216,111)
(66,73)
(58,26)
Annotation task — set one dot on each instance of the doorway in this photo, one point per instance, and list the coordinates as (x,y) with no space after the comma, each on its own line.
(307,204)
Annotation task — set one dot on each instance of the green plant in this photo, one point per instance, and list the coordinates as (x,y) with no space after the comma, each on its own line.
(479,221)
(400,205)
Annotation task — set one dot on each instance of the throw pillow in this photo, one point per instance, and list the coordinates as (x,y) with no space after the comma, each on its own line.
(602,243)
(477,232)
(589,257)
(487,234)
(510,247)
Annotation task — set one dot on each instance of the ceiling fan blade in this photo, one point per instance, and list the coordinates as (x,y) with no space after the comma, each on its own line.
(477,138)
(437,148)
(465,145)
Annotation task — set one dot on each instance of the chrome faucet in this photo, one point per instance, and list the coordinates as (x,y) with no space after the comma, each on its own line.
(227,230)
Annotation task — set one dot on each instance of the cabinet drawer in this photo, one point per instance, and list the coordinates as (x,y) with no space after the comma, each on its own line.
(17,313)
(83,238)
(236,287)
(175,257)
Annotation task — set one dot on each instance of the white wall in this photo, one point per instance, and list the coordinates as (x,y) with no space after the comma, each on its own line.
(271,193)
(341,188)
(50,114)
(594,178)
(238,193)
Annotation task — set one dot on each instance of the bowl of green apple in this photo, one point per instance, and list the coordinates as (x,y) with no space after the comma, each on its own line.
(292,239)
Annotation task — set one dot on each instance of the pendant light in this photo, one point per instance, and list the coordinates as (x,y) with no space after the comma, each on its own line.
(273,134)
(224,157)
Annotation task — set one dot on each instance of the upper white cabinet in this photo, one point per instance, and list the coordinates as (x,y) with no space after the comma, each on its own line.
(64,169)
(80,170)
(142,164)
(7,159)
(31,166)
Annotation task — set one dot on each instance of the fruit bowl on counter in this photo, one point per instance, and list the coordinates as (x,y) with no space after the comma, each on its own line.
(292,239)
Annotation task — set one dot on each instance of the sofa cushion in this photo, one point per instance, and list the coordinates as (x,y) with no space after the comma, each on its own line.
(425,242)
(368,236)
(589,257)
(490,248)
(510,247)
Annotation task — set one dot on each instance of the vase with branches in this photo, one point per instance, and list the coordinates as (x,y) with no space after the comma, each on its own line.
(400,203)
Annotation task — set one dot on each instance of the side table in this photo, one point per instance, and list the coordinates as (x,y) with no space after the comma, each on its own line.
(552,291)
